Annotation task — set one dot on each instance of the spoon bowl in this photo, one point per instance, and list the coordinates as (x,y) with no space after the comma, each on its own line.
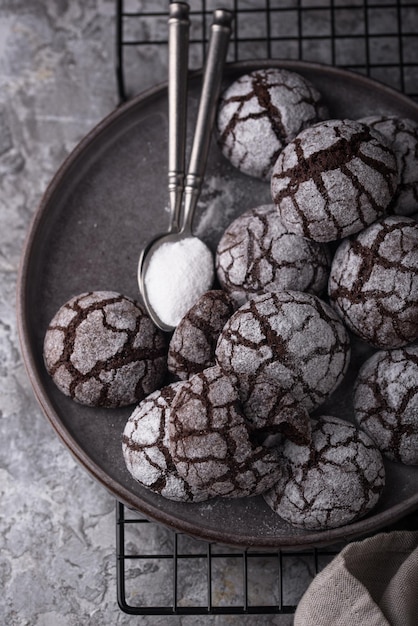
(174,271)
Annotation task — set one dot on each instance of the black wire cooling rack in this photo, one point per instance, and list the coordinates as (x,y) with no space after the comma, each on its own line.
(378,38)
(164,572)
(185,576)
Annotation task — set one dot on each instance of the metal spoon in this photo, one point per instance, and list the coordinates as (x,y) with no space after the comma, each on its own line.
(178,50)
(181,223)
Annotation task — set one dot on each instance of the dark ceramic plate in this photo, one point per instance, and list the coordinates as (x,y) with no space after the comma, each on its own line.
(106,201)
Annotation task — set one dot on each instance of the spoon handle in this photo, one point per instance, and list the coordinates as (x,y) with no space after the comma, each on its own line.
(178,49)
(212,78)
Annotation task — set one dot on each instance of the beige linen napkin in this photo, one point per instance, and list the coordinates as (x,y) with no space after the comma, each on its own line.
(373,582)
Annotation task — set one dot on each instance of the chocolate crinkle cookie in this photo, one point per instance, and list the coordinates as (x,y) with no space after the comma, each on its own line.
(192,345)
(146,449)
(257,253)
(402,136)
(210,442)
(373,282)
(334,179)
(386,402)
(260,113)
(291,338)
(335,480)
(103,350)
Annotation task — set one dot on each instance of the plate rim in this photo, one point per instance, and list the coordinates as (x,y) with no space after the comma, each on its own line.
(310,538)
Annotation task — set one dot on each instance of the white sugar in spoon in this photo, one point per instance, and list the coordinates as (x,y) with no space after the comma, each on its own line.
(176,268)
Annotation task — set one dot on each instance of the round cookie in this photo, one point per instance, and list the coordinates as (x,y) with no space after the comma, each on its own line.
(260,113)
(103,350)
(373,282)
(386,402)
(257,253)
(333,180)
(192,345)
(402,136)
(145,448)
(334,481)
(291,338)
(210,442)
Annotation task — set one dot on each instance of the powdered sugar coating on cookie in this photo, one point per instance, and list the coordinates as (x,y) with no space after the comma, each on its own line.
(192,345)
(260,113)
(373,282)
(333,180)
(335,480)
(257,253)
(210,441)
(145,448)
(269,411)
(102,349)
(291,338)
(386,402)
(402,136)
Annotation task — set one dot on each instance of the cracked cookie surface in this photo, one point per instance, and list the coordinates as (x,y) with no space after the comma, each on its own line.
(210,441)
(334,481)
(192,345)
(291,338)
(373,282)
(273,414)
(333,180)
(257,253)
(260,113)
(402,137)
(102,349)
(386,402)
(146,449)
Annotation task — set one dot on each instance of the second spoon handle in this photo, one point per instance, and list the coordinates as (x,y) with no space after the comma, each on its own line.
(212,78)
(178,50)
